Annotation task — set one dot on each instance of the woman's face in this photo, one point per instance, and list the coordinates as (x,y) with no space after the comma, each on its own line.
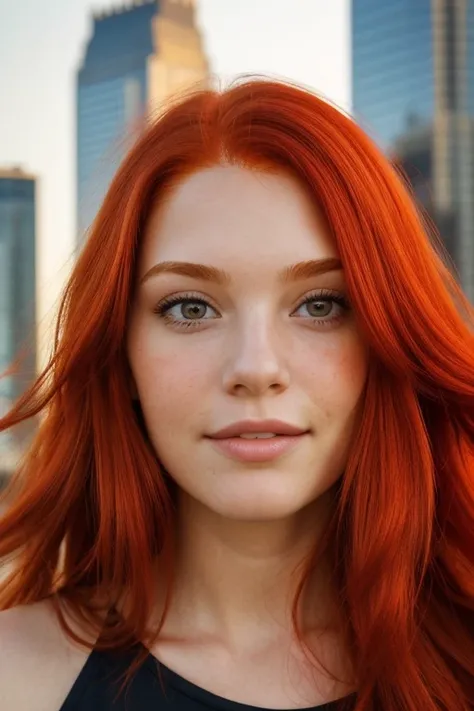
(240,321)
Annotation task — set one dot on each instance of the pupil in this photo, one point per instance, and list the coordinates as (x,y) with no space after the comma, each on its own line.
(193,310)
(319,308)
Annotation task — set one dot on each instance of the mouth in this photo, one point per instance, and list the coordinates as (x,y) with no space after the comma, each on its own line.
(253,441)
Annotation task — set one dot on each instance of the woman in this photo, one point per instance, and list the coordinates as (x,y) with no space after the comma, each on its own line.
(253,481)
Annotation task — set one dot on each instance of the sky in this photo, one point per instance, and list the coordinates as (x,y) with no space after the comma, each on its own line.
(41,46)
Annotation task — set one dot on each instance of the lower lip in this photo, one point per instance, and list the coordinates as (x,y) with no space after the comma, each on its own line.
(257,450)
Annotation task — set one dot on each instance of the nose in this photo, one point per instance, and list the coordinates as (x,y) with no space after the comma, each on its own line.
(257,364)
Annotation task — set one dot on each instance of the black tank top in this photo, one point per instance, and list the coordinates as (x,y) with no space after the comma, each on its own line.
(154,687)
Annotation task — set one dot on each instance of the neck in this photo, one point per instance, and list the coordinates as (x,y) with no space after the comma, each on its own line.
(238,580)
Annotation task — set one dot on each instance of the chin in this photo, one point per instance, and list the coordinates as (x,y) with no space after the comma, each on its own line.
(255,496)
(261,508)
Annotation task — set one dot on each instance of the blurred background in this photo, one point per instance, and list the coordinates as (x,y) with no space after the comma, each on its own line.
(74,77)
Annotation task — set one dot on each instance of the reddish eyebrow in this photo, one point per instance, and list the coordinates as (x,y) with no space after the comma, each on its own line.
(296,272)
(189,269)
(312,268)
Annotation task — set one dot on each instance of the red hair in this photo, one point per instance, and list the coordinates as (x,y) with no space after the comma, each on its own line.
(91,507)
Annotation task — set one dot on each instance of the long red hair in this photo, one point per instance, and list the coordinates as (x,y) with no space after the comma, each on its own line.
(91,508)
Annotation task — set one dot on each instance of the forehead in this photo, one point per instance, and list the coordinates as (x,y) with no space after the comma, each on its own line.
(228,213)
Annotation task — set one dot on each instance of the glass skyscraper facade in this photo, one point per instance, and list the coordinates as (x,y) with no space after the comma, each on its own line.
(17,292)
(136,56)
(111,90)
(413,91)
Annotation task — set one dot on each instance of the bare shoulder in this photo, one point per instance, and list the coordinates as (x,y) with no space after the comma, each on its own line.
(38,662)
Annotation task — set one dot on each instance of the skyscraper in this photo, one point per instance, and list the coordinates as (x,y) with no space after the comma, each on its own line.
(17,294)
(413,90)
(136,57)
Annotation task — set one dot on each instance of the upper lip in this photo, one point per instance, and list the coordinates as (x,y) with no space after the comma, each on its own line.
(258,427)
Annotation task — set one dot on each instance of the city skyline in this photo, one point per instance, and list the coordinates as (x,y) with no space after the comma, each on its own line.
(309,44)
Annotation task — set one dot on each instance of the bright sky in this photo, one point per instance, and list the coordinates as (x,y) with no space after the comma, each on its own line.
(41,44)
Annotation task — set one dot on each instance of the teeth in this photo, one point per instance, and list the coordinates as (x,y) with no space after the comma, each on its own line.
(260,435)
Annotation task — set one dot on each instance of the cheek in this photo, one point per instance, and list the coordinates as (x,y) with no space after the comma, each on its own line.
(169,376)
(337,375)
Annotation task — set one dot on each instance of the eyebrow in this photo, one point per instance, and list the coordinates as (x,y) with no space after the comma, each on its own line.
(295,272)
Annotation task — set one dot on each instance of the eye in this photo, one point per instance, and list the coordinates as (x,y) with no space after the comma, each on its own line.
(318,308)
(189,310)
(185,310)
(323,308)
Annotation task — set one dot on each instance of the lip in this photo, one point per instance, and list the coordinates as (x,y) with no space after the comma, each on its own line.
(277,427)
(228,441)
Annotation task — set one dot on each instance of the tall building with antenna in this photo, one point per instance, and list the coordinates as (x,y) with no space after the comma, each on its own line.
(138,54)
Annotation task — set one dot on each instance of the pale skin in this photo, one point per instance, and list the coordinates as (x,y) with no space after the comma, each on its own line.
(268,341)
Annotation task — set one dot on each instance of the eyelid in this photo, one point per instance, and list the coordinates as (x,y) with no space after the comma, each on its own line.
(179,296)
(324,293)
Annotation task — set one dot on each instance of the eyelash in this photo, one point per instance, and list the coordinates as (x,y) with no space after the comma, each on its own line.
(162,309)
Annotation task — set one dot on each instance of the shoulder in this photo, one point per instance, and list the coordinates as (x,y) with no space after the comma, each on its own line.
(38,662)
